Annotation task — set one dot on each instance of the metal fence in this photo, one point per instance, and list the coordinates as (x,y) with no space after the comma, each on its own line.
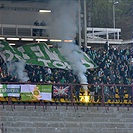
(24,30)
(75,94)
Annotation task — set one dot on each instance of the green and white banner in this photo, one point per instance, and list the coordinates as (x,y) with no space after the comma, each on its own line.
(39,54)
(36,92)
(9,90)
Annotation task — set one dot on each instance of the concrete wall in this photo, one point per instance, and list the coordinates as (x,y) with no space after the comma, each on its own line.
(70,120)
(22,17)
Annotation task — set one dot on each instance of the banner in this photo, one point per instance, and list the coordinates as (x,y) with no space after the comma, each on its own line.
(35,54)
(9,90)
(59,90)
(39,54)
(36,92)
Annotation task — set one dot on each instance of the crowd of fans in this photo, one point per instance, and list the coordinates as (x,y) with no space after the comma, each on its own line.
(115,67)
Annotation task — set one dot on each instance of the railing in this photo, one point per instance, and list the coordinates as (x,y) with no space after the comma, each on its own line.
(102,35)
(104,32)
(24,30)
(94,35)
(74,94)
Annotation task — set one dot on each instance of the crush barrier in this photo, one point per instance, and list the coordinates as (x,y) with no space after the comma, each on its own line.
(65,94)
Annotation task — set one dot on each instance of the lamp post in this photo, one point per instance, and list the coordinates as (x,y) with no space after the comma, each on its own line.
(114,3)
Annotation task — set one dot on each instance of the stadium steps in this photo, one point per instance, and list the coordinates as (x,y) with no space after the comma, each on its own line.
(66,120)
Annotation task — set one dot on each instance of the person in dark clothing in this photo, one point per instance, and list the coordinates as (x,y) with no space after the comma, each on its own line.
(77,91)
(35,31)
(121,93)
(92,92)
(106,93)
(96,89)
(106,46)
(112,92)
(42,30)
(129,90)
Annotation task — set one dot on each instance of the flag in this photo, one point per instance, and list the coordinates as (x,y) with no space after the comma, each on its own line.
(9,90)
(36,92)
(3,92)
(60,90)
(39,54)
(35,54)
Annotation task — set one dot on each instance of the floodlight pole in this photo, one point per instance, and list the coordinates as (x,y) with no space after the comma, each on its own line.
(113,16)
(114,21)
(85,25)
(79,23)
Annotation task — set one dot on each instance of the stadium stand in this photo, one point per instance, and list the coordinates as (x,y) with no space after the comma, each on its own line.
(106,109)
(110,81)
(63,119)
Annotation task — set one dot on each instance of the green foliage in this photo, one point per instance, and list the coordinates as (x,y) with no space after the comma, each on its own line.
(102,15)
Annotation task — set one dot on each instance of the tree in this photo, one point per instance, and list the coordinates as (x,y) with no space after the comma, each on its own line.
(102,15)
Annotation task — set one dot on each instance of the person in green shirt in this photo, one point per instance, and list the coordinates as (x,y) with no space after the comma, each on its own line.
(63,80)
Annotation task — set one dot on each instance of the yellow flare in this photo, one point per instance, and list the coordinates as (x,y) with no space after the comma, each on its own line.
(87,98)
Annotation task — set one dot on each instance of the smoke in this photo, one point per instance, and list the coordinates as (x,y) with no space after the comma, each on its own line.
(17,69)
(64,19)
(74,56)
(64,26)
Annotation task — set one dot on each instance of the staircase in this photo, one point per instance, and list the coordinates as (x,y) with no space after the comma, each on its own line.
(65,119)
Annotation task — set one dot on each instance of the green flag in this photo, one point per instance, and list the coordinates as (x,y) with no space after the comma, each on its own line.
(35,54)
(9,90)
(39,54)
(36,92)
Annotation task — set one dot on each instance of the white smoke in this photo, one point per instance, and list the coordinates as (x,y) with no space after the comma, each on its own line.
(64,26)
(17,69)
(63,18)
(22,75)
(74,56)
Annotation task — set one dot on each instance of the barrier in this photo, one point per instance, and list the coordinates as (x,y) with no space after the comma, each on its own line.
(22,30)
(66,94)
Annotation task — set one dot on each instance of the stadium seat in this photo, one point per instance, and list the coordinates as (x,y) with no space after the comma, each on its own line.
(126,96)
(117,96)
